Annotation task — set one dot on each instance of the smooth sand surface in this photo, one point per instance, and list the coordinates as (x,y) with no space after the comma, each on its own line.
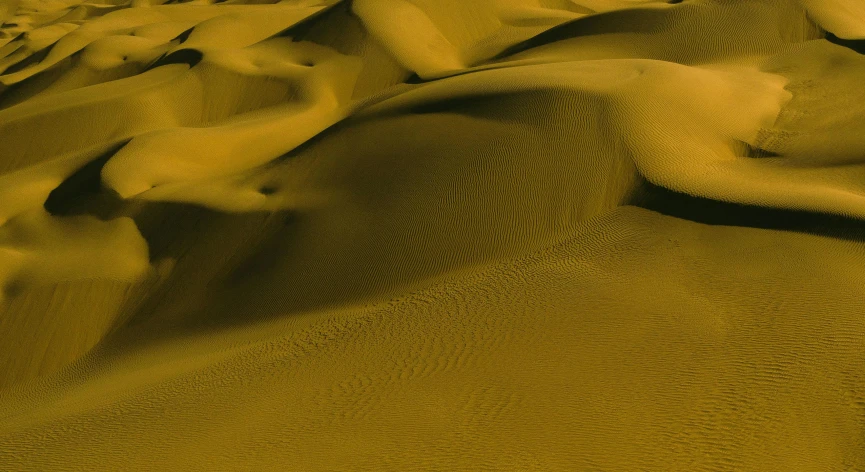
(432,235)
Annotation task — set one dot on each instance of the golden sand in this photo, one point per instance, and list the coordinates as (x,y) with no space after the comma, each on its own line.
(432,235)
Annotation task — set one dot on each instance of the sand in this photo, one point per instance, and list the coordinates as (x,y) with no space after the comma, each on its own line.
(432,235)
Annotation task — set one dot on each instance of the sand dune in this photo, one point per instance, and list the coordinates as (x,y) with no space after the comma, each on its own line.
(432,235)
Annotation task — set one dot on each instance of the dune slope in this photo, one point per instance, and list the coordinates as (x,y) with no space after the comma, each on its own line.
(432,235)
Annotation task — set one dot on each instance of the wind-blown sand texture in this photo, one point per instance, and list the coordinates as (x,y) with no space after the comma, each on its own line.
(432,235)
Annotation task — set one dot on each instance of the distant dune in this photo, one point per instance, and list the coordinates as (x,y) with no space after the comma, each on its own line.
(432,235)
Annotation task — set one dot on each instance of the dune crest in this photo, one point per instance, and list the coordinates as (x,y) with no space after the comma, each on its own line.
(844,18)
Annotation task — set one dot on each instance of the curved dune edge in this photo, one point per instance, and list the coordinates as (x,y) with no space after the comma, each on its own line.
(395,234)
(844,18)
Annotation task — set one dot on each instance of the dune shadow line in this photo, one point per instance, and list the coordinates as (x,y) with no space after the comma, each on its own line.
(635,20)
(714,212)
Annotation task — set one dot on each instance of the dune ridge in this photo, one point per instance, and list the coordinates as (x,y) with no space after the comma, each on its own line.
(432,235)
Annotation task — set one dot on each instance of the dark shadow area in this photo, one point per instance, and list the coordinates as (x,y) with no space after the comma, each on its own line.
(36,83)
(713,212)
(83,193)
(300,30)
(265,257)
(182,37)
(268,190)
(30,60)
(16,93)
(470,105)
(174,229)
(747,150)
(191,57)
(207,246)
(415,79)
(857,45)
(636,20)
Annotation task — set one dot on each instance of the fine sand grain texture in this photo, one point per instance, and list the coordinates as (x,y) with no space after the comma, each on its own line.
(432,235)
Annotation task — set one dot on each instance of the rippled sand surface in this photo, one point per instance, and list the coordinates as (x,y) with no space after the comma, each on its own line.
(432,235)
